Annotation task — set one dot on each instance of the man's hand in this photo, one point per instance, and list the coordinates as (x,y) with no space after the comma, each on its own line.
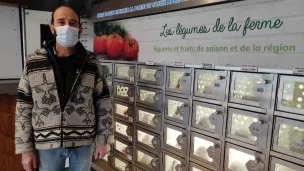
(29,161)
(102,150)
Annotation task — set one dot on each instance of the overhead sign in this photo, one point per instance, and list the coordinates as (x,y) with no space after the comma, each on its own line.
(114,9)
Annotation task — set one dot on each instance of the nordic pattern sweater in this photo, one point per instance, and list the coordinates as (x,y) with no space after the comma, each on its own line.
(41,123)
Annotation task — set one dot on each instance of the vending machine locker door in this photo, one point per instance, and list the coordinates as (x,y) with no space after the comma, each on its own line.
(241,159)
(195,167)
(150,74)
(176,139)
(107,69)
(281,165)
(150,97)
(149,118)
(148,140)
(210,84)
(288,137)
(147,159)
(179,80)
(124,111)
(252,89)
(124,130)
(124,72)
(177,109)
(172,162)
(206,149)
(248,127)
(120,164)
(124,92)
(208,117)
(123,148)
(291,94)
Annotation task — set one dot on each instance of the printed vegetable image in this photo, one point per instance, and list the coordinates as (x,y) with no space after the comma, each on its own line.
(115,46)
(113,42)
(100,44)
(131,48)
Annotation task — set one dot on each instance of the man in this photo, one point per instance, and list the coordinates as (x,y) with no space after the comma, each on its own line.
(63,102)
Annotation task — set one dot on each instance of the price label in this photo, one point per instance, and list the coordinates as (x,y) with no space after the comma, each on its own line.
(131,99)
(132,79)
(179,64)
(208,65)
(150,63)
(129,157)
(249,68)
(130,119)
(298,70)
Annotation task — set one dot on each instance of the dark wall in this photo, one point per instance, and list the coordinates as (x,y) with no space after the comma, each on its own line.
(83,7)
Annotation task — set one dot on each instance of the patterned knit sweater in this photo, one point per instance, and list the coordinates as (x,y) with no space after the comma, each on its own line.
(40,121)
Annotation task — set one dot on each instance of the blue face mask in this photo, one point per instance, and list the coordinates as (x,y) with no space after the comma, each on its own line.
(67,36)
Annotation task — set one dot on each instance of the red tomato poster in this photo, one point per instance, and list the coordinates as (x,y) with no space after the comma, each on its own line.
(112,42)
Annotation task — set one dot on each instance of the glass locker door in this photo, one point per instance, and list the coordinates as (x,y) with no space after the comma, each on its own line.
(241,159)
(149,118)
(172,162)
(149,140)
(206,149)
(150,97)
(123,148)
(176,138)
(124,92)
(210,84)
(120,164)
(124,110)
(289,137)
(179,80)
(147,159)
(195,167)
(208,117)
(151,74)
(252,89)
(248,127)
(281,165)
(177,109)
(124,72)
(123,130)
(291,94)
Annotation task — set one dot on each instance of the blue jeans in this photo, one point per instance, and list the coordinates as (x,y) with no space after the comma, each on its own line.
(80,158)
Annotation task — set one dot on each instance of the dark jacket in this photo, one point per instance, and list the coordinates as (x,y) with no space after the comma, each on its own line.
(42,123)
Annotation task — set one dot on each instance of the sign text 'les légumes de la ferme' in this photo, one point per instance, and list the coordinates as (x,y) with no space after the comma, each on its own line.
(219,27)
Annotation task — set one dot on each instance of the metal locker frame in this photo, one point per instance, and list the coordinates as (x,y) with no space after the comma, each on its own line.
(130,111)
(155,162)
(221,81)
(274,161)
(131,92)
(218,115)
(155,141)
(275,147)
(197,166)
(158,105)
(131,71)
(185,109)
(188,72)
(215,150)
(282,108)
(129,150)
(157,119)
(161,72)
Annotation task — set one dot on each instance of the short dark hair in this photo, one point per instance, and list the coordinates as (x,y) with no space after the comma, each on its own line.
(52,21)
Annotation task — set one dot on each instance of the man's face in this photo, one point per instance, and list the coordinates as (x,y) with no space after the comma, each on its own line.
(65,16)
